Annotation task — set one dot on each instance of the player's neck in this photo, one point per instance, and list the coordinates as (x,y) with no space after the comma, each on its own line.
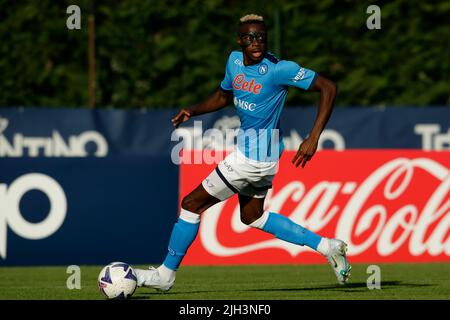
(249,62)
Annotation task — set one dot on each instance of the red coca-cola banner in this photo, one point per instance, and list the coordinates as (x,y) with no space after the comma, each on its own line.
(389,206)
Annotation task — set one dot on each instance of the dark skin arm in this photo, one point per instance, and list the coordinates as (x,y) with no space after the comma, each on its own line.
(308,147)
(218,100)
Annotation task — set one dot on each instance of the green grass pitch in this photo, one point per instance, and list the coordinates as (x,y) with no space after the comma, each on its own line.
(278,282)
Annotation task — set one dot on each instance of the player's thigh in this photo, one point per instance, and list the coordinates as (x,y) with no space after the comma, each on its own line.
(251,208)
(222,183)
(198,200)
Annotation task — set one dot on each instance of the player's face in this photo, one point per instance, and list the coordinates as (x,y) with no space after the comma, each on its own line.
(253,41)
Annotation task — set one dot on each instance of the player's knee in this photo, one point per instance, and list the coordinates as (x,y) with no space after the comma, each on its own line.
(247,221)
(189,203)
(249,217)
(194,204)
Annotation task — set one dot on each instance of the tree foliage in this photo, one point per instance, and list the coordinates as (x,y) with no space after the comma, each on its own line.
(159,53)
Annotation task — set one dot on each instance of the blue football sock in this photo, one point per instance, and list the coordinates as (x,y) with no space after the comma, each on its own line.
(183,234)
(285,229)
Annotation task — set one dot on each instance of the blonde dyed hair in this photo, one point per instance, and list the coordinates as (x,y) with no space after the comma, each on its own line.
(251,17)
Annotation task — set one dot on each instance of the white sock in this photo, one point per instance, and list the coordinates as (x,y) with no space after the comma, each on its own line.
(261,221)
(324,246)
(166,274)
(188,216)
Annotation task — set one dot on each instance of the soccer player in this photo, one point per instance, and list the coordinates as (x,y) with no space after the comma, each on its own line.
(256,81)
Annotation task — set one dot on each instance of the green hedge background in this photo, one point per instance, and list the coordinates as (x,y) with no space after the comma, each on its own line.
(157,54)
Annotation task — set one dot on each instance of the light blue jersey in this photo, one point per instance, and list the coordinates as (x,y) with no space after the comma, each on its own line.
(259,93)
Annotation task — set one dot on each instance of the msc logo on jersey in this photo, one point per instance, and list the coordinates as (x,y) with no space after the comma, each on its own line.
(244,105)
(263,69)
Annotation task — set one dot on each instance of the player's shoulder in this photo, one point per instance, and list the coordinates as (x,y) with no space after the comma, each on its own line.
(278,64)
(236,54)
(235,57)
(271,58)
(286,65)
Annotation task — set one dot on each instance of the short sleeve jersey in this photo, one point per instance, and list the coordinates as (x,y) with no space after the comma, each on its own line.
(260,91)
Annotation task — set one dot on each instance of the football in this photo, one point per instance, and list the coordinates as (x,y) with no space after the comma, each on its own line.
(117,281)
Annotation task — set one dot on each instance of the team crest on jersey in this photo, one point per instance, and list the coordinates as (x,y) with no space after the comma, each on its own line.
(263,68)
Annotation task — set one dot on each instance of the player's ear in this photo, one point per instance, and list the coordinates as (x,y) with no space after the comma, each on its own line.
(239,41)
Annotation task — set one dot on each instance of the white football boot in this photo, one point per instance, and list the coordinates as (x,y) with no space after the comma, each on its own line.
(338,260)
(151,279)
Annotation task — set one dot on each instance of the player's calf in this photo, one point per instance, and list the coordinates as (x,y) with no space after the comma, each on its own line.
(183,234)
(285,229)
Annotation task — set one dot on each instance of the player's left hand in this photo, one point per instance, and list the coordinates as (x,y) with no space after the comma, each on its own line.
(306,151)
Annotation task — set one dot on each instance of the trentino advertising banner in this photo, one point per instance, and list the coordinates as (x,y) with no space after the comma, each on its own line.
(92,186)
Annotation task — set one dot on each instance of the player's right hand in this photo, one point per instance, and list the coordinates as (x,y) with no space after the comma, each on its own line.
(182,116)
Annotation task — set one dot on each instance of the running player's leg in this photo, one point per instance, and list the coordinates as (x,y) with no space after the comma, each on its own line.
(213,189)
(253,214)
(183,234)
(198,200)
(186,228)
